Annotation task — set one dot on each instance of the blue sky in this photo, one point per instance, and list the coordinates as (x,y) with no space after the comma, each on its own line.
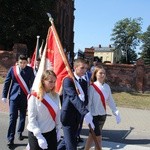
(95,19)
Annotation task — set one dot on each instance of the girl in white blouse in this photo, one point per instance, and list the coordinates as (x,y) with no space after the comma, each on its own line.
(44,115)
(99,93)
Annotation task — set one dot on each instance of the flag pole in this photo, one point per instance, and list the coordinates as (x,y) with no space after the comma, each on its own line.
(41,48)
(35,54)
(69,71)
(37,48)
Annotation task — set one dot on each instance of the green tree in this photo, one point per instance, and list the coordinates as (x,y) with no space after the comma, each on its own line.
(145,54)
(125,35)
(22,21)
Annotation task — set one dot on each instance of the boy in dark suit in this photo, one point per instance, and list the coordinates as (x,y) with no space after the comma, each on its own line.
(86,78)
(17,85)
(73,107)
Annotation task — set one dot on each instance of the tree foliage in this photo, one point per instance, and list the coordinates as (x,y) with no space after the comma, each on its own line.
(22,21)
(125,35)
(145,54)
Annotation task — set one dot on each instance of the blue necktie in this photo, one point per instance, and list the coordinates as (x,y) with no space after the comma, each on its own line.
(80,81)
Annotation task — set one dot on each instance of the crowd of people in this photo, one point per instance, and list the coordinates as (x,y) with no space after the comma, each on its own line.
(83,99)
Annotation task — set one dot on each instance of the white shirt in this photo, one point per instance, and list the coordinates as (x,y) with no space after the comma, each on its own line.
(39,118)
(81,95)
(77,77)
(95,105)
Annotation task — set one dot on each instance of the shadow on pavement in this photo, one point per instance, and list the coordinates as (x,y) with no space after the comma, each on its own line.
(118,137)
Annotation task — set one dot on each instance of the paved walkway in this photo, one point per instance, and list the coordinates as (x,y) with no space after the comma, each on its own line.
(3,107)
(133,133)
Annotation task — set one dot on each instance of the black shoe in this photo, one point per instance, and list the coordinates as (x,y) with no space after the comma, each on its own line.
(79,140)
(20,137)
(10,144)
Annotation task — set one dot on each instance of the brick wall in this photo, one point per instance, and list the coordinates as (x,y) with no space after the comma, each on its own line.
(123,77)
(7,59)
(146,80)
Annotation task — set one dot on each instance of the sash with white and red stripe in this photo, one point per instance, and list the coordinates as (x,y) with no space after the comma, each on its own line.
(101,95)
(48,102)
(20,80)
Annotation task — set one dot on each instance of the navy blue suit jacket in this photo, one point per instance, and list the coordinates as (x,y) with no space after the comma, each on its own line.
(72,106)
(11,85)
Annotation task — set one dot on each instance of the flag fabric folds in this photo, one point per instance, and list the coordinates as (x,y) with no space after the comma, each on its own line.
(54,58)
(55,54)
(33,60)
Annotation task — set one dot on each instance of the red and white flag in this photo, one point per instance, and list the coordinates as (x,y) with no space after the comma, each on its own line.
(55,54)
(33,60)
(54,58)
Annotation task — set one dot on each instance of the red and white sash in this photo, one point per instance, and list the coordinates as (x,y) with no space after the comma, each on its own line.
(20,80)
(101,95)
(48,102)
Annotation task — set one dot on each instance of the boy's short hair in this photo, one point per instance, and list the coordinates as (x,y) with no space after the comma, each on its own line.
(79,60)
(22,57)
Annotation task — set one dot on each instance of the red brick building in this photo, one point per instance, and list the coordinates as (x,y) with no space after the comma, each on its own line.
(64,14)
(89,53)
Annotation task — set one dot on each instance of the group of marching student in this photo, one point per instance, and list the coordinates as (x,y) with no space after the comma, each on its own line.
(83,99)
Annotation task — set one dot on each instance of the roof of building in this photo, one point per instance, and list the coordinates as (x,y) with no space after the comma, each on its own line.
(104,49)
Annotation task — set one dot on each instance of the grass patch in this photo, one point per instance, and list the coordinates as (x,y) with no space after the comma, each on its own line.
(132,100)
(1,80)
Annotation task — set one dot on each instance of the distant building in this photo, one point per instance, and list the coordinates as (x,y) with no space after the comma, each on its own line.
(89,53)
(105,54)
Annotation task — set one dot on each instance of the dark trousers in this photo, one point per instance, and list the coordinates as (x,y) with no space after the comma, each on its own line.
(80,127)
(19,104)
(50,138)
(69,141)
